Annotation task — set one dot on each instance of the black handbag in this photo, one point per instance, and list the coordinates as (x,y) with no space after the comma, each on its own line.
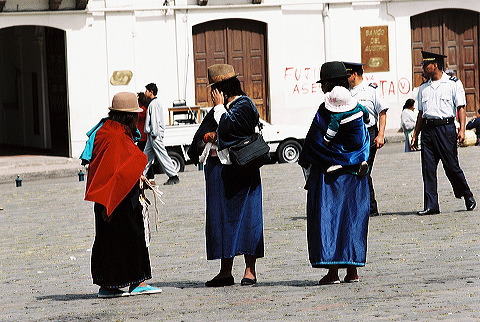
(253,152)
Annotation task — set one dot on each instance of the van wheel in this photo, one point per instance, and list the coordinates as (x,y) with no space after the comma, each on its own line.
(178,162)
(288,151)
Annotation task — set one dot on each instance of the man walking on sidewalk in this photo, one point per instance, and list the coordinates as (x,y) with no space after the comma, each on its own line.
(155,129)
(439,100)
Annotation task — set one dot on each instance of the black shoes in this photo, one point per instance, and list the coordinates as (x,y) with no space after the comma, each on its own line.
(248,281)
(219,282)
(428,211)
(171,181)
(227,281)
(470,203)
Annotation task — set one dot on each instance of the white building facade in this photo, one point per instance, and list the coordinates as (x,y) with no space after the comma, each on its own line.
(58,57)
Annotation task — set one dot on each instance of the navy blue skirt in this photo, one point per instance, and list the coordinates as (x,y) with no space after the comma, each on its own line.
(234,223)
(338,207)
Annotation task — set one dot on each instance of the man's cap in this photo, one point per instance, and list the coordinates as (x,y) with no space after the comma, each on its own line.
(353,67)
(332,70)
(429,57)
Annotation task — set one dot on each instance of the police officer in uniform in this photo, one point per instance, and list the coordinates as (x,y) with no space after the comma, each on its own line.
(367,95)
(439,100)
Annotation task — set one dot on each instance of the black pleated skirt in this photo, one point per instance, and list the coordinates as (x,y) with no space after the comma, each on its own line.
(119,255)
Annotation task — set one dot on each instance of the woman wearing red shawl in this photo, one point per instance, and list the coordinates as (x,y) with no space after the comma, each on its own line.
(119,255)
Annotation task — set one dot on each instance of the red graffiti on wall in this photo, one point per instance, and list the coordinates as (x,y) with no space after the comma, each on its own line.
(389,87)
(303,80)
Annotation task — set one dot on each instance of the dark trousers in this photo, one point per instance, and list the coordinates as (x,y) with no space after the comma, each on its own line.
(440,143)
(373,132)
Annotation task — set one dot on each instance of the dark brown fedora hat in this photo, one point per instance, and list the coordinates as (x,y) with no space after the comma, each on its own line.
(220,72)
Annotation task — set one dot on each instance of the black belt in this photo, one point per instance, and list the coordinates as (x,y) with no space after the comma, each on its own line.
(436,122)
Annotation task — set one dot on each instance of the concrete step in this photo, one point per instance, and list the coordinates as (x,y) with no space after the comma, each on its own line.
(37,167)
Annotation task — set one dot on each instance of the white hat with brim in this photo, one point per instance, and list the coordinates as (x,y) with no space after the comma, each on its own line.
(125,102)
(339,100)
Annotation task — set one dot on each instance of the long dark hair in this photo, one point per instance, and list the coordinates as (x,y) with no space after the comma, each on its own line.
(408,103)
(128,119)
(230,87)
(142,99)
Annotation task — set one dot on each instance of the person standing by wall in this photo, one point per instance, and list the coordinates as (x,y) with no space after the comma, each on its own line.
(234,222)
(367,95)
(439,100)
(119,255)
(408,119)
(474,124)
(155,129)
(337,203)
(143,102)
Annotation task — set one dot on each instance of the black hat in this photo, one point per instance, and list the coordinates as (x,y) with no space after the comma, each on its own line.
(332,70)
(353,67)
(429,57)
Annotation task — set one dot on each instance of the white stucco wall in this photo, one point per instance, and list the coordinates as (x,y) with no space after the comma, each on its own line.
(345,45)
(156,45)
(300,54)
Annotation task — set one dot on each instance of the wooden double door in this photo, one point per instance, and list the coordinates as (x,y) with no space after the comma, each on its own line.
(454,33)
(238,42)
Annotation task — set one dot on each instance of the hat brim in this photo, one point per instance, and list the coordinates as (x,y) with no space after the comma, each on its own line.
(340,109)
(332,78)
(135,110)
(234,76)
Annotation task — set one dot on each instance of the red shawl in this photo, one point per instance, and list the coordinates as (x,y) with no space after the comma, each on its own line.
(116,166)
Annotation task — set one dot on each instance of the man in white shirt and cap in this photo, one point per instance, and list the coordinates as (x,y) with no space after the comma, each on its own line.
(440,99)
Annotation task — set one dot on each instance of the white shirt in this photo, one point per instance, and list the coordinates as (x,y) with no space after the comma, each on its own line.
(440,99)
(368,95)
(409,119)
(223,155)
(154,124)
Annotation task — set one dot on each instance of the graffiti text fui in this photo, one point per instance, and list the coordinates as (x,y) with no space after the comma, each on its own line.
(302,80)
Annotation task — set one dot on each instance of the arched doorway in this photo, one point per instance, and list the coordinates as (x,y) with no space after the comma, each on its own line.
(238,42)
(442,31)
(33,91)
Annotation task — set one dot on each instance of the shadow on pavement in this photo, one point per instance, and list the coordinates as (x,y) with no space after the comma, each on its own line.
(398,213)
(201,284)
(68,297)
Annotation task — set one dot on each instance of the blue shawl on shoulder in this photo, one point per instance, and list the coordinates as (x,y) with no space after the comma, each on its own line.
(350,146)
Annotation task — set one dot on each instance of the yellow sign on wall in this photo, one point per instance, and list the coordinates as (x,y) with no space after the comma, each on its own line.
(375,49)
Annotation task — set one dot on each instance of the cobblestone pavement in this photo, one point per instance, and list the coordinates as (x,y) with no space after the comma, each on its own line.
(418,268)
